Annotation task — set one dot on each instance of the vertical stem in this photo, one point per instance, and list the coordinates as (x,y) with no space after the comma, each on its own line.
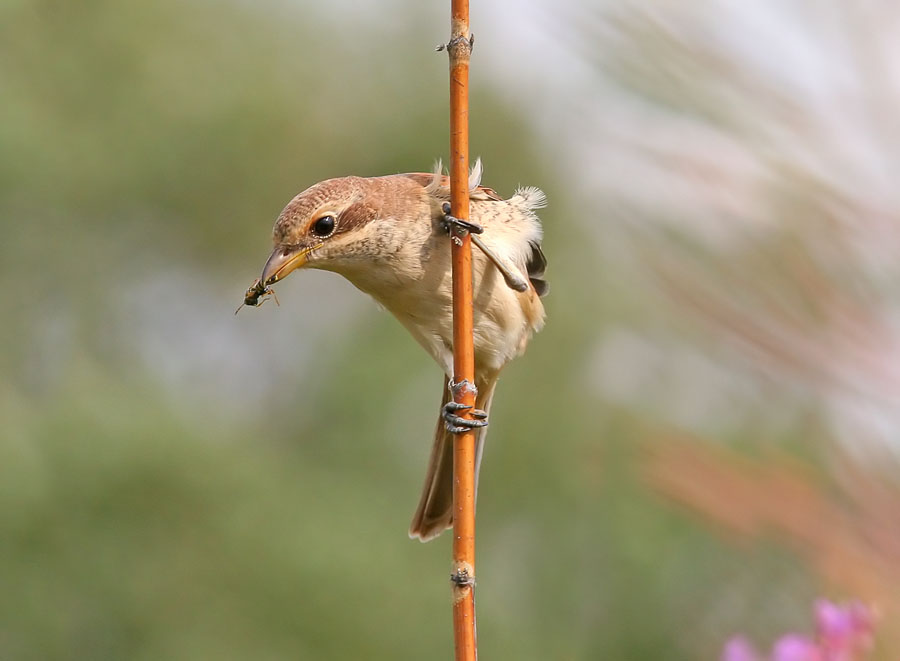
(463,576)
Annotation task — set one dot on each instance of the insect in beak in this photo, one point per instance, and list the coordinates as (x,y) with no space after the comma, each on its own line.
(256,292)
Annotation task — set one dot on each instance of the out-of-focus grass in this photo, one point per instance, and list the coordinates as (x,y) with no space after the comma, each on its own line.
(130,533)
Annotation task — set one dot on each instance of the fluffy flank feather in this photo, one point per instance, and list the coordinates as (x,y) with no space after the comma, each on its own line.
(475,175)
(530,197)
(435,184)
(441,184)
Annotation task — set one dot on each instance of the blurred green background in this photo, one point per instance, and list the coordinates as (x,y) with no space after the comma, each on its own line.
(701,442)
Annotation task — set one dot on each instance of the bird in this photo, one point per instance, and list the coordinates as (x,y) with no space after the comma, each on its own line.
(387,235)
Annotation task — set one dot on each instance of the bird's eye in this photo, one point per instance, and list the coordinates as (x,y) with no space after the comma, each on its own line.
(323,227)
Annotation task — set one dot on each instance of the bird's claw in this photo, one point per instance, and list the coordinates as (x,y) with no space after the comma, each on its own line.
(456,424)
(464,225)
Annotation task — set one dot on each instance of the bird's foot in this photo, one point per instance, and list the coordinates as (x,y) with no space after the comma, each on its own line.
(456,424)
(460,225)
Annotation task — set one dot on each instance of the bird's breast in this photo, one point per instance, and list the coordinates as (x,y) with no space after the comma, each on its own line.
(503,319)
(414,283)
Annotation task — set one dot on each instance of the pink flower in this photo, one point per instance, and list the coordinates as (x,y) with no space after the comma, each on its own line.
(739,649)
(794,647)
(843,633)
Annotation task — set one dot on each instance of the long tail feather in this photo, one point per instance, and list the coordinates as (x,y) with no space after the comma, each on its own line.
(435,511)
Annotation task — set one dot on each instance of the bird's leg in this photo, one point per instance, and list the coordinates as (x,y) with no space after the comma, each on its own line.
(456,424)
(513,280)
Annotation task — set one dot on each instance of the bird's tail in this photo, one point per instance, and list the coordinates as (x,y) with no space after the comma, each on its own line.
(435,511)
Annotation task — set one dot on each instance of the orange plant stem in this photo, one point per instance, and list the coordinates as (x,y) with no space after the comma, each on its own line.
(463,576)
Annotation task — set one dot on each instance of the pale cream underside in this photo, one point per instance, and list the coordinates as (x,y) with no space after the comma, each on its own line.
(415,285)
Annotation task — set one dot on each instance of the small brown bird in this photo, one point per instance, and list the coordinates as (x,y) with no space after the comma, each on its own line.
(388,236)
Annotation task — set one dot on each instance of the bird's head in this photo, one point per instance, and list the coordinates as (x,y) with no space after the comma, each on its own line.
(328,226)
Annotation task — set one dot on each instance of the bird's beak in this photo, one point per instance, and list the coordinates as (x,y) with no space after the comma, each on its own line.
(281,262)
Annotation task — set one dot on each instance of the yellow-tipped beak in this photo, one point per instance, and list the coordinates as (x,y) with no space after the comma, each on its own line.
(281,262)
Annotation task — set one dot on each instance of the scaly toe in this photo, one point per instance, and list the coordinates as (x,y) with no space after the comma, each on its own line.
(456,424)
(466,225)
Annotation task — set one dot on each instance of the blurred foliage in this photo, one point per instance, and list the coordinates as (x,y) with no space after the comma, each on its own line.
(180,483)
